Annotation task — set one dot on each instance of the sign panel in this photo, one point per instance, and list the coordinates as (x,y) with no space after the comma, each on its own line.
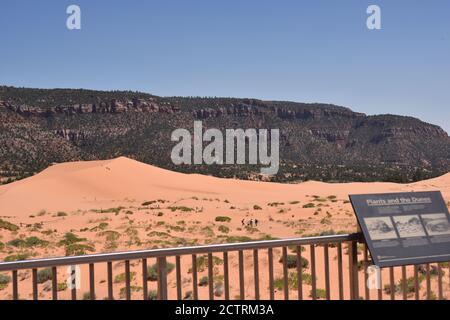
(404,228)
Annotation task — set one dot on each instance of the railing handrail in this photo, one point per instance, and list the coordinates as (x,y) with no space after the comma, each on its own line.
(180,251)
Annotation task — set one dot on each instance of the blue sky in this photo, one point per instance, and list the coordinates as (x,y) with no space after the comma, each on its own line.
(307,51)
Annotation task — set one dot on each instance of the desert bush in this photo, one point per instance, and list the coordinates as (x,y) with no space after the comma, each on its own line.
(292,261)
(224,229)
(44,275)
(8,226)
(87,296)
(120,278)
(28,242)
(110,235)
(256,207)
(17,257)
(203,281)
(292,281)
(70,238)
(152,271)
(223,219)
(61,214)
(62,286)
(78,249)
(309,205)
(4,281)
(152,295)
(320,293)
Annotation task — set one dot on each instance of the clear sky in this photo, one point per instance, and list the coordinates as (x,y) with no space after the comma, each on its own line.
(300,50)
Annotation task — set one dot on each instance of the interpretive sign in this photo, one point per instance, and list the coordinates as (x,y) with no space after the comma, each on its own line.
(404,228)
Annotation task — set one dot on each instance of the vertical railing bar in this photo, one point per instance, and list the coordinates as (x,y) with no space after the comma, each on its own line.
(35,284)
(73,275)
(299,273)
(353,270)
(54,284)
(127,280)
(404,284)
(256,272)
(210,276)
(225,276)
(392,282)
(366,274)
(145,279)
(285,274)
(327,271)
(440,291)
(428,282)
(340,272)
(179,284)
(241,275)
(110,280)
(162,278)
(271,284)
(91,281)
(313,272)
(15,288)
(194,276)
(416,283)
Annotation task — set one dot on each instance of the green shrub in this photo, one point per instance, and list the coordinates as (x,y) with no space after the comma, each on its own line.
(292,261)
(320,293)
(224,229)
(309,205)
(181,208)
(203,281)
(61,214)
(223,219)
(110,235)
(152,271)
(28,242)
(236,239)
(62,286)
(78,249)
(17,257)
(4,279)
(292,281)
(256,207)
(8,226)
(87,296)
(152,295)
(70,238)
(120,278)
(44,275)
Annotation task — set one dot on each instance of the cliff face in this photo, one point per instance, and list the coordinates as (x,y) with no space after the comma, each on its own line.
(318,141)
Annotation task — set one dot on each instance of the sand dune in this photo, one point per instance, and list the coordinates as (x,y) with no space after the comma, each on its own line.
(84,185)
(122,204)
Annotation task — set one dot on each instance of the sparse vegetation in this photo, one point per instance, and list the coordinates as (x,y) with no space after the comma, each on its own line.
(152,271)
(44,275)
(4,281)
(292,261)
(224,229)
(5,225)
(223,219)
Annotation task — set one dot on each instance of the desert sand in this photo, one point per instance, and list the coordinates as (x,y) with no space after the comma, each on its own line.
(122,204)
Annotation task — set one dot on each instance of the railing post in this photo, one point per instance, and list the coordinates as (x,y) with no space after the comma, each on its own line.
(162,278)
(353,269)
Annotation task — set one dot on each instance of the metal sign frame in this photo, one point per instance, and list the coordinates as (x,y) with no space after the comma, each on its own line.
(404,228)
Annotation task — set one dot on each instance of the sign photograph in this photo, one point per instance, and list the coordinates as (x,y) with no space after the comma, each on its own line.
(404,228)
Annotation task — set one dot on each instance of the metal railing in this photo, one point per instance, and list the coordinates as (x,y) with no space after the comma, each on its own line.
(347,281)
